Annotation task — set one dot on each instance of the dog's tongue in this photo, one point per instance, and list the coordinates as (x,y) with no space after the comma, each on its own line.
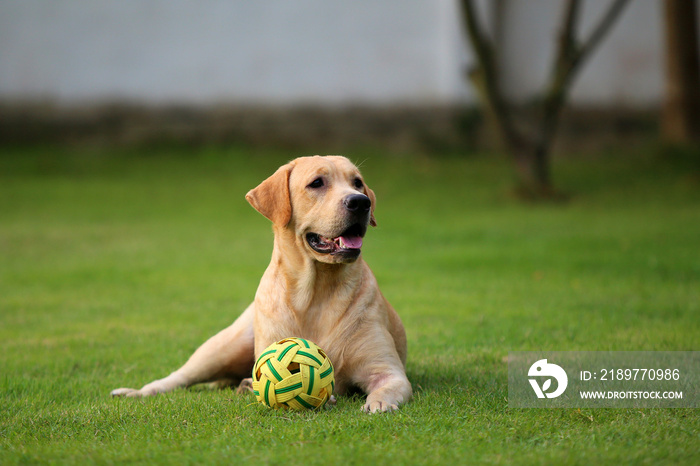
(351,242)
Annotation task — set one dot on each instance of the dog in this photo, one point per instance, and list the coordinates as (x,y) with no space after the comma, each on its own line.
(317,287)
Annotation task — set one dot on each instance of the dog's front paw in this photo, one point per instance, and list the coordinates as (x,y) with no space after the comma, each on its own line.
(380,406)
(387,393)
(148,390)
(167,384)
(128,392)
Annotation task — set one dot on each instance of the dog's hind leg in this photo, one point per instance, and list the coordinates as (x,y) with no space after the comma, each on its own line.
(227,355)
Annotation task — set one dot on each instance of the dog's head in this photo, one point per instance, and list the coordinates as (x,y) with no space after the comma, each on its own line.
(325,203)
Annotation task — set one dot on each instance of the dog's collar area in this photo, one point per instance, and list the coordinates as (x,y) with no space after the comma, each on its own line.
(348,243)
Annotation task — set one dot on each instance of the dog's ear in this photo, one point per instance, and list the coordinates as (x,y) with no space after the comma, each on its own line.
(369,193)
(271,197)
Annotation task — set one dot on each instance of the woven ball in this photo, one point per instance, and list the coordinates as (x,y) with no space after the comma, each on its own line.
(293,373)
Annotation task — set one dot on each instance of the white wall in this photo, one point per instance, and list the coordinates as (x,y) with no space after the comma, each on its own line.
(210,50)
(319,51)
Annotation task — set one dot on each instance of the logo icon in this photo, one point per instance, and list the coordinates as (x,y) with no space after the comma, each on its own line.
(542,368)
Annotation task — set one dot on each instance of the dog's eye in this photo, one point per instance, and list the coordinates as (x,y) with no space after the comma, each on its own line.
(358,183)
(317,183)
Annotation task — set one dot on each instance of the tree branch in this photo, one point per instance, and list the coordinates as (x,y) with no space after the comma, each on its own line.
(569,58)
(567,38)
(485,76)
(600,31)
(480,43)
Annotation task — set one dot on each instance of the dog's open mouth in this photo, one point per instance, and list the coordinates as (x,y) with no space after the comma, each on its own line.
(349,242)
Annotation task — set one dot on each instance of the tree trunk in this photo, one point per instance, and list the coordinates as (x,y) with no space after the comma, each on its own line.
(681,112)
(532,164)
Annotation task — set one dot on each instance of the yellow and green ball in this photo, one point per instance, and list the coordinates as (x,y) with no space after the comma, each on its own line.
(293,373)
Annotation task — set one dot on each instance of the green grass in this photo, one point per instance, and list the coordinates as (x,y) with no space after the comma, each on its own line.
(116,264)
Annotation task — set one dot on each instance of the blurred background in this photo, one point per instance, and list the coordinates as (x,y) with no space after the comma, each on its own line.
(537,171)
(314,72)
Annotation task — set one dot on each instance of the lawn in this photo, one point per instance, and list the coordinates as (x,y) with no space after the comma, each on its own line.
(115,264)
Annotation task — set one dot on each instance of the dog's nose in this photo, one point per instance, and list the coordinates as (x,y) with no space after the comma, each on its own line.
(357,203)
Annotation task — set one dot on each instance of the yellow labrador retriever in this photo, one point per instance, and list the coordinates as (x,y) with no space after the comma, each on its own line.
(317,287)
